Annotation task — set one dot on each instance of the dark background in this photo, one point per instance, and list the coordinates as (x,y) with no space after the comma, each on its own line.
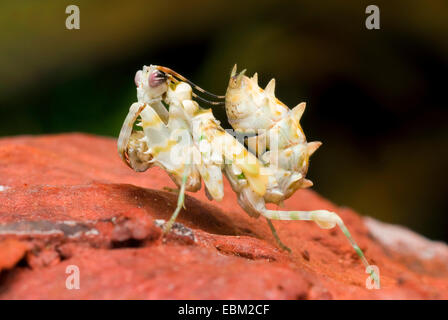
(376,98)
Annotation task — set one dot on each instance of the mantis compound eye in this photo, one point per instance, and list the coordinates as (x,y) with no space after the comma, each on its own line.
(156,78)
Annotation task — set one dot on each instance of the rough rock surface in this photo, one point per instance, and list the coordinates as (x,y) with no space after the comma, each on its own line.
(69,200)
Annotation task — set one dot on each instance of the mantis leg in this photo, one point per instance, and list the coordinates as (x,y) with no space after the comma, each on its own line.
(324,219)
(126,130)
(277,238)
(180,203)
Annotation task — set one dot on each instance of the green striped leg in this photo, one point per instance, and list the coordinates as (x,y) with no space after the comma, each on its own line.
(180,203)
(324,219)
(277,238)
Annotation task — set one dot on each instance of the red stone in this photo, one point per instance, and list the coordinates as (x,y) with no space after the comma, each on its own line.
(11,252)
(69,200)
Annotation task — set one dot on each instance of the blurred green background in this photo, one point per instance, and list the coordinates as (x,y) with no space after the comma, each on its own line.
(376,98)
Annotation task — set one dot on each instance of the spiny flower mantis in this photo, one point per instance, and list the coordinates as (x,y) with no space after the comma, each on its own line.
(188,143)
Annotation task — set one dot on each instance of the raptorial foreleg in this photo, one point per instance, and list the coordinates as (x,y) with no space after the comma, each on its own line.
(127,128)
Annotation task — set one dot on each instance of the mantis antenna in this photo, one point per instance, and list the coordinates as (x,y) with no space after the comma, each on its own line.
(173,75)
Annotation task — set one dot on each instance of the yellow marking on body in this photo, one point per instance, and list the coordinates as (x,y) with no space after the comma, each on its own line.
(293,129)
(248,84)
(151,123)
(173,85)
(235,98)
(258,183)
(248,163)
(278,102)
(167,147)
(200,111)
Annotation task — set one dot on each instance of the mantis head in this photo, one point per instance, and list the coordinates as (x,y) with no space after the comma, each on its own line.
(151,83)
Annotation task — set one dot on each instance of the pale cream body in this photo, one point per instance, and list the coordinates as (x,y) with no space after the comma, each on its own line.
(280,142)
